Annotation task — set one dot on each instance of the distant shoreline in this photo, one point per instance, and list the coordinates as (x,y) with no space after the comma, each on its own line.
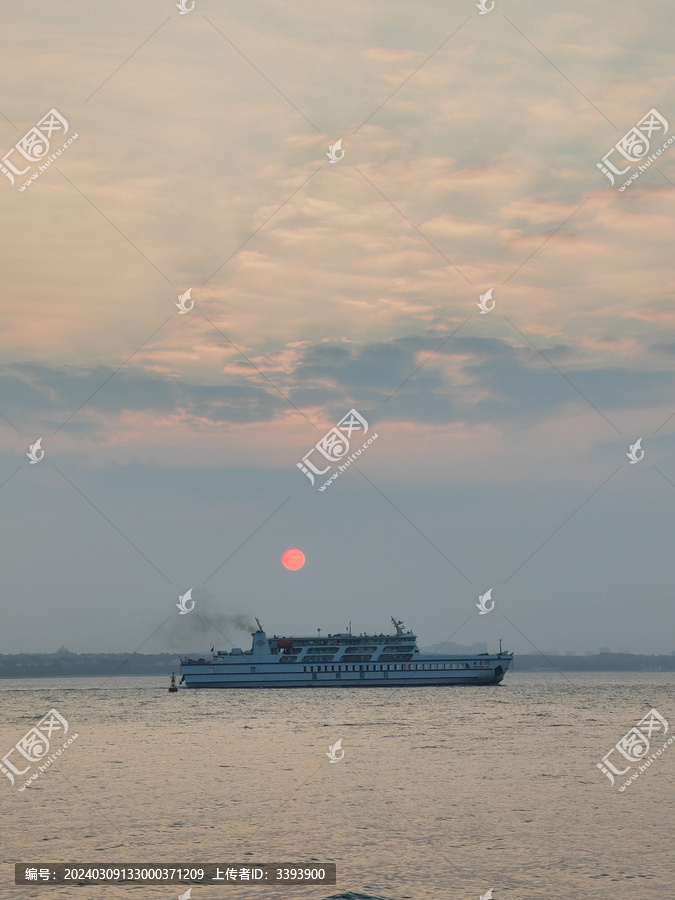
(64,664)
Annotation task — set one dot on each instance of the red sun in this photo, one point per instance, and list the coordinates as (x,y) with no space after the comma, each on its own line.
(293,559)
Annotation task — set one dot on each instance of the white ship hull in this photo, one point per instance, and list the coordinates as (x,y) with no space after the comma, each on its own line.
(196,676)
(340,660)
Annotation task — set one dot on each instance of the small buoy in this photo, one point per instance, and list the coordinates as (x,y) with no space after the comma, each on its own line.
(172,686)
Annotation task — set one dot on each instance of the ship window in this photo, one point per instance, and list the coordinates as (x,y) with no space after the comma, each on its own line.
(252,668)
(388,668)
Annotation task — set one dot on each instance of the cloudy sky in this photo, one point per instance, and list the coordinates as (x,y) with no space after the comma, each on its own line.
(171,441)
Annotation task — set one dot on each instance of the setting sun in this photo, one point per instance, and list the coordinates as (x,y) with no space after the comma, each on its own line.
(293,559)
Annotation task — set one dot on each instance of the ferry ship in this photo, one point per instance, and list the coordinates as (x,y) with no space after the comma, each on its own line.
(339,660)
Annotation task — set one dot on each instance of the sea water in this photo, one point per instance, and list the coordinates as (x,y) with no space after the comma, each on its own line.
(442,792)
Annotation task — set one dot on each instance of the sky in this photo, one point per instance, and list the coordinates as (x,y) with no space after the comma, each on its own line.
(172,438)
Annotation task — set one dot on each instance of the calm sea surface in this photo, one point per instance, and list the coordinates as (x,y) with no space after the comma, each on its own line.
(442,792)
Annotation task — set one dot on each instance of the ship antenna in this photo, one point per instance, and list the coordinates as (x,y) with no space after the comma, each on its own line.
(260,628)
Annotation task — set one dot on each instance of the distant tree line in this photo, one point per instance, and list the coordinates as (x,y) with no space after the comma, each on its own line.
(599,662)
(65,663)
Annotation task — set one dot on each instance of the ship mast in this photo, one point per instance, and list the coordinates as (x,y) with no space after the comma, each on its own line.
(398,625)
